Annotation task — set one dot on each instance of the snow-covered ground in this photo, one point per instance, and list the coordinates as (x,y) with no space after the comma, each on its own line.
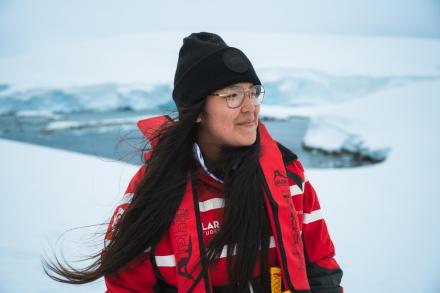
(383,218)
(46,192)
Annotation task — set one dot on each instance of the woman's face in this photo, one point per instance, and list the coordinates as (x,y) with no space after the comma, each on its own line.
(221,125)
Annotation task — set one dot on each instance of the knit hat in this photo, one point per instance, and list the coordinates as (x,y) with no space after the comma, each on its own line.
(206,63)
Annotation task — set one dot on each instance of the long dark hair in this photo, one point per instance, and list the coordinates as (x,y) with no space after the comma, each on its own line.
(245,229)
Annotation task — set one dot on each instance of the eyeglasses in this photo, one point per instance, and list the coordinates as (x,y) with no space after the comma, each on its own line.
(234,95)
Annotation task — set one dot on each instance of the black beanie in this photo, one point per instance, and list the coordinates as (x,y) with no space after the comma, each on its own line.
(206,63)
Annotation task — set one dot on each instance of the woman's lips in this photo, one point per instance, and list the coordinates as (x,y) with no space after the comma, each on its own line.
(248,123)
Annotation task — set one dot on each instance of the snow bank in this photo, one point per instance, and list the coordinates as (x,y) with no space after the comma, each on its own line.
(151,57)
(45,192)
(97,98)
(69,124)
(383,218)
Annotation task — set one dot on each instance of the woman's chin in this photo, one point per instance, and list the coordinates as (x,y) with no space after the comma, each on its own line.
(247,140)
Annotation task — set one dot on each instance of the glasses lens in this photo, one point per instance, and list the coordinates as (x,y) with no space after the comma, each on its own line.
(257,94)
(234,96)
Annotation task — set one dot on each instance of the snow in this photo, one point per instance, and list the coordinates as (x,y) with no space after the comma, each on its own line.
(46,192)
(334,134)
(69,124)
(98,98)
(36,113)
(152,57)
(383,218)
(290,92)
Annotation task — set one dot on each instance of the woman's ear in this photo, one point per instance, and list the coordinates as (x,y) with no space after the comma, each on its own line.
(199,118)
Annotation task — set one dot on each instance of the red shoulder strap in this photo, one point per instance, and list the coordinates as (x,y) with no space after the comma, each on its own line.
(282,214)
(185,231)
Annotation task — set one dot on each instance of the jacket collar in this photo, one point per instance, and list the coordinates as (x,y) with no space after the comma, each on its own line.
(151,125)
(199,157)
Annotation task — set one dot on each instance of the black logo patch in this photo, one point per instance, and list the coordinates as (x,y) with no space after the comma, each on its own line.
(235,60)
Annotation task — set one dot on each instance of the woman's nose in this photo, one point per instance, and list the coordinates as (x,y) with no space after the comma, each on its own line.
(248,104)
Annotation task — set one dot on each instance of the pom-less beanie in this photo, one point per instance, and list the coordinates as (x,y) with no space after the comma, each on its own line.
(206,63)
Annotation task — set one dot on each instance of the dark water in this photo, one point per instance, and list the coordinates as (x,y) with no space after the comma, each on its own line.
(123,141)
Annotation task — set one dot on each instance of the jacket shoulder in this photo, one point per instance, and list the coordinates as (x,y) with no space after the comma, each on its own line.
(294,168)
(288,155)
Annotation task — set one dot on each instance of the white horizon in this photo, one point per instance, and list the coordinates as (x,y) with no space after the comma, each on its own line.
(25,25)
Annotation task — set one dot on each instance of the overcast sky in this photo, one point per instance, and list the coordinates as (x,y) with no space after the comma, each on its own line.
(25,24)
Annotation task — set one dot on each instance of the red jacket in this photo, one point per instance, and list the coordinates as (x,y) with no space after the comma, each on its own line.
(159,272)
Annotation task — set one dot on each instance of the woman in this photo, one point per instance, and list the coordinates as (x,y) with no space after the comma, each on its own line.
(218,205)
